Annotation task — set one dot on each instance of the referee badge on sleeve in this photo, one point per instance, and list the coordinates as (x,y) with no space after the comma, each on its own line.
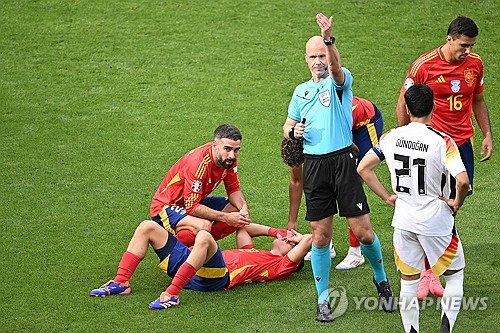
(196,186)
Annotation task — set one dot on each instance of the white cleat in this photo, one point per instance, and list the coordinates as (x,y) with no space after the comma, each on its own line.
(333,254)
(351,261)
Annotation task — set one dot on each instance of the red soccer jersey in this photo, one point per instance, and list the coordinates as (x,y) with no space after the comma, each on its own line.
(191,179)
(252,265)
(362,112)
(454,85)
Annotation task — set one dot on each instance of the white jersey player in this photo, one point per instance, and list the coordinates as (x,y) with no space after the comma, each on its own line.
(420,160)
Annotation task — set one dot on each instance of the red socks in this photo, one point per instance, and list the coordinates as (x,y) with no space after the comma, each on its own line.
(220,230)
(181,278)
(273,232)
(186,237)
(126,267)
(353,241)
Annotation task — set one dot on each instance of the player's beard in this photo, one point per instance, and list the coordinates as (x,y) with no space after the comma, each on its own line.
(226,164)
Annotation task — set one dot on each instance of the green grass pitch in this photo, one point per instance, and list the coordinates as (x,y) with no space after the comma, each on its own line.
(99,98)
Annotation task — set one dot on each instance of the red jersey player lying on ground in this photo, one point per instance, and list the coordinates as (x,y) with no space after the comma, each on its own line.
(205,267)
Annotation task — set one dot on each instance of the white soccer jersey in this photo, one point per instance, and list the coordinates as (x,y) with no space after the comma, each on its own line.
(420,160)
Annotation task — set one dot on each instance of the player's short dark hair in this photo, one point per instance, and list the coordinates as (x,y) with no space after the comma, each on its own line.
(462,26)
(292,152)
(227,132)
(419,99)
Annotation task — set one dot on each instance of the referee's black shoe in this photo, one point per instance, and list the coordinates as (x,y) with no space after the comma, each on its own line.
(385,295)
(324,312)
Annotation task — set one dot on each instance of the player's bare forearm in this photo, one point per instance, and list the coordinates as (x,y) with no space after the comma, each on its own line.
(334,64)
(245,234)
(255,230)
(374,184)
(237,199)
(482,114)
(462,187)
(300,250)
(208,213)
(483,120)
(401,114)
(295,195)
(366,171)
(234,219)
(332,53)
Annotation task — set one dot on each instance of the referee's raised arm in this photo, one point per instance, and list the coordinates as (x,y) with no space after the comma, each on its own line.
(332,53)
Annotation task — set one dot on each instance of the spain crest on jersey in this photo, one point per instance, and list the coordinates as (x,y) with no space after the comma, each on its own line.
(469,77)
(455,85)
(325,98)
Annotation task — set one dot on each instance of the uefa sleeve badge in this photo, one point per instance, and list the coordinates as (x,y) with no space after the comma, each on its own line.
(196,186)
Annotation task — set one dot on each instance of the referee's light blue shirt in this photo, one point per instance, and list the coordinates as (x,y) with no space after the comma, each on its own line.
(328,124)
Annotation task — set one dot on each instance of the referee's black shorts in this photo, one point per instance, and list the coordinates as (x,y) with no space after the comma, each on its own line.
(332,179)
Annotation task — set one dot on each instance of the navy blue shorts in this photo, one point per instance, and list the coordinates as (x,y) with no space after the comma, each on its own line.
(467,155)
(171,215)
(212,276)
(367,136)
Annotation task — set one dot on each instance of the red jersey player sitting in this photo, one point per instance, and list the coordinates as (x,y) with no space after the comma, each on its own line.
(205,267)
(183,205)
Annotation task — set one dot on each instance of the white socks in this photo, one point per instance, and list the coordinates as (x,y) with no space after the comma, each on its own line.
(452,300)
(408,305)
(355,250)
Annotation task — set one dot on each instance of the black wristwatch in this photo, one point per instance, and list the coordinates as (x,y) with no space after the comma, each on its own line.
(329,42)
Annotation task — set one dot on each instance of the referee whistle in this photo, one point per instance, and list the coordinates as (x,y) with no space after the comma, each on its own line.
(303,120)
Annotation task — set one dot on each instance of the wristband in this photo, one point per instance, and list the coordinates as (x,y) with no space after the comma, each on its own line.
(273,232)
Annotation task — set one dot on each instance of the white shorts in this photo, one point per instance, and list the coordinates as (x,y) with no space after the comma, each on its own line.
(442,252)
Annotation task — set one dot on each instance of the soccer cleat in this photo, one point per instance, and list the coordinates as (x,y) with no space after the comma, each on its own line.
(351,261)
(385,295)
(435,286)
(163,302)
(333,254)
(423,285)
(111,288)
(324,312)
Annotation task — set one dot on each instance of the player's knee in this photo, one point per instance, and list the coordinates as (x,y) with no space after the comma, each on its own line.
(205,226)
(366,236)
(321,240)
(146,227)
(204,237)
